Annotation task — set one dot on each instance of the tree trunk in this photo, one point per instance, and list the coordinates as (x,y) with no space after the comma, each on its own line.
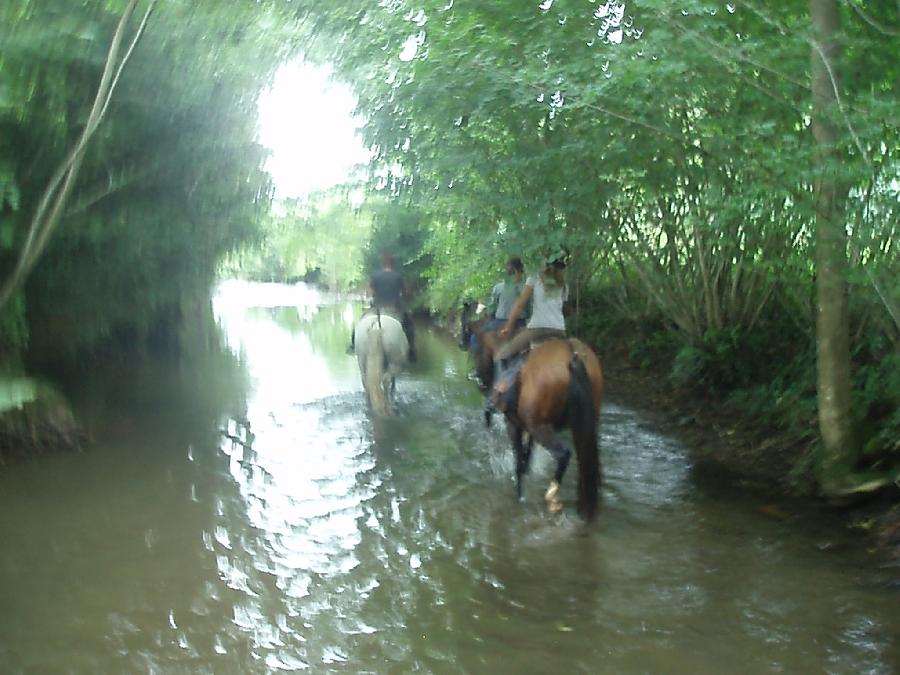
(832,323)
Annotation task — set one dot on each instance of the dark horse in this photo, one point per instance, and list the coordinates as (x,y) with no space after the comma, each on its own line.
(559,386)
(486,341)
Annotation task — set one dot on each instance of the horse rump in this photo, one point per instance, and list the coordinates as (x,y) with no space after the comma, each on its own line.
(382,352)
(561,386)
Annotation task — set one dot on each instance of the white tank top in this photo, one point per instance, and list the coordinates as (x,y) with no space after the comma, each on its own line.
(547,305)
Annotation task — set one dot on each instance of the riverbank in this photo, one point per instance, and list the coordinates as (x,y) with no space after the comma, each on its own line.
(34,420)
(716,436)
(741,451)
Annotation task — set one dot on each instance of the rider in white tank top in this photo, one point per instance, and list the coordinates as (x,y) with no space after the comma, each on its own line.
(548,292)
(547,304)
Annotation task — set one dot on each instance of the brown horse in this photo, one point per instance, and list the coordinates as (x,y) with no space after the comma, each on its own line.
(559,386)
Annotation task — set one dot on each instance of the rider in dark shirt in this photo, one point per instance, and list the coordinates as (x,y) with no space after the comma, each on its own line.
(387,289)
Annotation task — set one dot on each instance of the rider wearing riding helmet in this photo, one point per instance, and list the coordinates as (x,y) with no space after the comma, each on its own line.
(547,291)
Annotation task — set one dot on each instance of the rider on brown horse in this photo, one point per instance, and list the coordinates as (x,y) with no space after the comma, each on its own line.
(558,384)
(548,292)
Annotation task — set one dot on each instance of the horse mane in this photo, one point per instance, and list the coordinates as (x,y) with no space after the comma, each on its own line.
(483,356)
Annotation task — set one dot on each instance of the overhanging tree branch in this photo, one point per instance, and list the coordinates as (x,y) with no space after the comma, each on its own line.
(872,22)
(114,183)
(52,202)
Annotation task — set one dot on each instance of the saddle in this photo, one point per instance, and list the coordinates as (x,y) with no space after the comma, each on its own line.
(506,385)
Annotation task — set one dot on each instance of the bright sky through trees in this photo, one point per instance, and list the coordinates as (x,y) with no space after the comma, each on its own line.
(306,119)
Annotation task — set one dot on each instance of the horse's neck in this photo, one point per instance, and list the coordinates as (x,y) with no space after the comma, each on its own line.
(484,364)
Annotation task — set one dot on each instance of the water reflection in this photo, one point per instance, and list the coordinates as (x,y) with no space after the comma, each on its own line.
(243,513)
(307,475)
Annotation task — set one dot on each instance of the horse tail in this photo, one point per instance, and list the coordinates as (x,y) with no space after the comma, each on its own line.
(583,422)
(374,361)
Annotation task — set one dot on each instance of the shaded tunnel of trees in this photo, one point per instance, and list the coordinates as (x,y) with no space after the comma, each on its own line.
(725,174)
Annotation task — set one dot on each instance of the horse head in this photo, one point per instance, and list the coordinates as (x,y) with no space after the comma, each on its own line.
(487,344)
(465,321)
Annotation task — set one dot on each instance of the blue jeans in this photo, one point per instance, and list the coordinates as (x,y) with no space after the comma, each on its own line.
(490,326)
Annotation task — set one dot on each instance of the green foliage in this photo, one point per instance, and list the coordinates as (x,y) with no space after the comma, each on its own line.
(321,238)
(668,146)
(13,329)
(400,232)
(784,403)
(172,181)
(718,361)
(878,409)
(9,198)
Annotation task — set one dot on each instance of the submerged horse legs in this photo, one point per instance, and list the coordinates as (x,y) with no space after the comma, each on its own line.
(523,453)
(546,436)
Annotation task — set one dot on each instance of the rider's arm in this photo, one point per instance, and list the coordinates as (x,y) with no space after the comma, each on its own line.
(517,308)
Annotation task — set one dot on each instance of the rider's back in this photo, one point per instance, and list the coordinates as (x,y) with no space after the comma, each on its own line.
(387,288)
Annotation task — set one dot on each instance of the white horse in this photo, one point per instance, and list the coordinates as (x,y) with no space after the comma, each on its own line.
(381,351)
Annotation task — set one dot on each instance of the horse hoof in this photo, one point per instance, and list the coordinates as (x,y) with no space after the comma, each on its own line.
(552,495)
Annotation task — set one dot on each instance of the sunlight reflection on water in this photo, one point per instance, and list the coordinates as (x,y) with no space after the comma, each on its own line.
(281,528)
(348,547)
(301,480)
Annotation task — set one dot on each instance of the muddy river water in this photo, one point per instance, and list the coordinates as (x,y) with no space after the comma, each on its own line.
(239,511)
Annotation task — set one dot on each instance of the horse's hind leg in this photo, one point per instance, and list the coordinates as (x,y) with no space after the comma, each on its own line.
(387,386)
(526,454)
(522,453)
(546,436)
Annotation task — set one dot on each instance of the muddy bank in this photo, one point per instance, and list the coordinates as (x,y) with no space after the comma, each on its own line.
(740,451)
(38,426)
(716,436)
